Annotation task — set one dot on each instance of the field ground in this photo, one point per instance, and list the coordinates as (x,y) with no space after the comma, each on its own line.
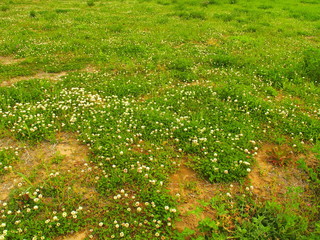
(159,119)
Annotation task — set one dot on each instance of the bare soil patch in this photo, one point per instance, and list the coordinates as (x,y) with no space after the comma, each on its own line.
(272,181)
(90,69)
(10,60)
(45,75)
(76,236)
(41,75)
(191,191)
(38,162)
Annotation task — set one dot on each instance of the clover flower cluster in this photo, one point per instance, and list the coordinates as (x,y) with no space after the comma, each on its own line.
(17,217)
(8,155)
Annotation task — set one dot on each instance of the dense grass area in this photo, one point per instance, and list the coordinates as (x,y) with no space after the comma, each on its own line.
(210,81)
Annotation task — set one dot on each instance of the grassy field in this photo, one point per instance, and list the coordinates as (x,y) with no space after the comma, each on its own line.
(159,119)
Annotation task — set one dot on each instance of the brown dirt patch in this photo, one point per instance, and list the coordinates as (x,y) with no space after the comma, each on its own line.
(10,60)
(312,38)
(41,75)
(191,191)
(45,75)
(37,162)
(76,236)
(90,69)
(271,182)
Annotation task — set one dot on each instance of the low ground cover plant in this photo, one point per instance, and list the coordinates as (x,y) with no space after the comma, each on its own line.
(149,87)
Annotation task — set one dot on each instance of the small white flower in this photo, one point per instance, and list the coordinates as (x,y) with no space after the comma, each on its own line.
(173,210)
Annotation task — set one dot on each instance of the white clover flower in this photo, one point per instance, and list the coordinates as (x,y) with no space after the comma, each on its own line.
(100,224)
(64,214)
(139,209)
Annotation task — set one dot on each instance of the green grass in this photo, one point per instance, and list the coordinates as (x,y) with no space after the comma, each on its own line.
(210,80)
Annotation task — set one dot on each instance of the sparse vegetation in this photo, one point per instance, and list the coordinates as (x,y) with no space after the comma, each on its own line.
(159,119)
